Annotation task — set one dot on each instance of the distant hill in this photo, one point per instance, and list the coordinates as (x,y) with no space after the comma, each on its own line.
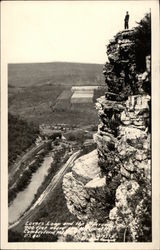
(29,74)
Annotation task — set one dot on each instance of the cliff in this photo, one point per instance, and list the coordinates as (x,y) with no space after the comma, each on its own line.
(112,185)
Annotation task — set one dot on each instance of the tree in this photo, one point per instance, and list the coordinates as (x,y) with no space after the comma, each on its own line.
(142,39)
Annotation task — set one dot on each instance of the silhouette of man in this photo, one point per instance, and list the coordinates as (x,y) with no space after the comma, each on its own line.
(126,20)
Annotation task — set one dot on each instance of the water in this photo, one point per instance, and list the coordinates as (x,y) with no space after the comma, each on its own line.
(24,198)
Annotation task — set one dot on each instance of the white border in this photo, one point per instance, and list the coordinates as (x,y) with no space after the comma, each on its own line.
(155,245)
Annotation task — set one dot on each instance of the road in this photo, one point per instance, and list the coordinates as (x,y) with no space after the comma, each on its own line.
(55,180)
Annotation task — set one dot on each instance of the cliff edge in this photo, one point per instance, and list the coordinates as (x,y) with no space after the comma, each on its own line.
(112,185)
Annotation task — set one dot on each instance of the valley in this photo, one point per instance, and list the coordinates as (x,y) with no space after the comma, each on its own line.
(40,95)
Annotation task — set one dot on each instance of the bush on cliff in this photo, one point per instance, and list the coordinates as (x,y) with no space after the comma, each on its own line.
(142,39)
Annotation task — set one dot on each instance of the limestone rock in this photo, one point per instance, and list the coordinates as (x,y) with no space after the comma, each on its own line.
(84,189)
(87,166)
(97,182)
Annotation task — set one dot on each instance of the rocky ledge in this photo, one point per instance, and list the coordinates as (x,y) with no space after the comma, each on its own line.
(84,188)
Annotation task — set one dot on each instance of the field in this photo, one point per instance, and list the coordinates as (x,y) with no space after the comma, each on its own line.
(41,92)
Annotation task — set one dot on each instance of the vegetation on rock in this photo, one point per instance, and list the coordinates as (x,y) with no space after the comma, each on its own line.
(142,40)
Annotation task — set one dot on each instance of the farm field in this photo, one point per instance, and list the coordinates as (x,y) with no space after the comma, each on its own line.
(41,93)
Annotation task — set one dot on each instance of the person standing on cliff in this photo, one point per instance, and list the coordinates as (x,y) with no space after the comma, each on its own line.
(126,20)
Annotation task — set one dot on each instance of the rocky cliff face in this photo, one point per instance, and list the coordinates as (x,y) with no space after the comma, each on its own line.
(113,185)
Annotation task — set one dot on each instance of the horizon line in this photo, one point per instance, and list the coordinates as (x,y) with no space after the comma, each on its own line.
(56,62)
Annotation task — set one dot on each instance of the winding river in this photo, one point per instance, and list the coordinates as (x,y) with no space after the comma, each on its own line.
(23,199)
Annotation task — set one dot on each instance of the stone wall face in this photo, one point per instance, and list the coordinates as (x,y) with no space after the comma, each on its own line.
(123,148)
(124,140)
(125,161)
(120,71)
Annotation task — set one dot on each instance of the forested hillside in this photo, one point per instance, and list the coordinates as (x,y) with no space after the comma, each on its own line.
(21,135)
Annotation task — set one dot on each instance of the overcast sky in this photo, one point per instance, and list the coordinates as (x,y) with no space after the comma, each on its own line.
(75,31)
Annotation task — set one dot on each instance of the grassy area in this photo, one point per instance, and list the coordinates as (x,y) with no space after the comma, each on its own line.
(34,97)
(40,105)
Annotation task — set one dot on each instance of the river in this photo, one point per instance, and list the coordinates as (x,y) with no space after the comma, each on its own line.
(23,199)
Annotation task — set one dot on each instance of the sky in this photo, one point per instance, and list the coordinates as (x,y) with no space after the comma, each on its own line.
(70,31)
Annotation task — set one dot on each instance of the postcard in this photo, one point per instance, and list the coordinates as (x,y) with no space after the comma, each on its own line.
(80,125)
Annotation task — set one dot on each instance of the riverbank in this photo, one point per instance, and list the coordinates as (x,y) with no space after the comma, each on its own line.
(22,177)
(25,197)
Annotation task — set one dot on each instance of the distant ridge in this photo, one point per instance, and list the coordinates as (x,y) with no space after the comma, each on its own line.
(58,62)
(69,73)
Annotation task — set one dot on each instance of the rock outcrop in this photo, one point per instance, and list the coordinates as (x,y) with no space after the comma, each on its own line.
(84,189)
(114,184)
